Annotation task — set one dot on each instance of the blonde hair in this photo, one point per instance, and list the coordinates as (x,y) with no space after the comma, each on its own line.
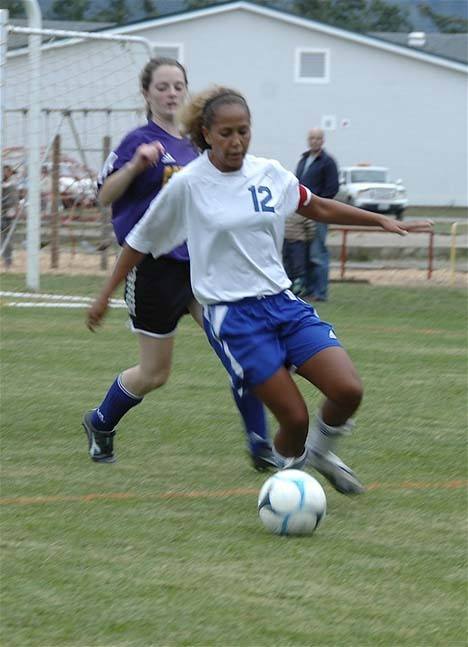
(201,110)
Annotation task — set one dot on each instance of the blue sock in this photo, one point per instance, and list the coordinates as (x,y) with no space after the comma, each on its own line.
(114,406)
(254,418)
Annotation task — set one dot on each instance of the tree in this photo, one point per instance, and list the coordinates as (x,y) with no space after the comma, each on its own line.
(15,8)
(349,14)
(116,11)
(200,4)
(149,8)
(445,24)
(66,10)
(319,10)
(387,17)
(355,15)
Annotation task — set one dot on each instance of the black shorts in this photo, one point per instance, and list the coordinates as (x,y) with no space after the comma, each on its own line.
(157,294)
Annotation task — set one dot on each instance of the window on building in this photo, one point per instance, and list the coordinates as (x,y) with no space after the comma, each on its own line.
(312,65)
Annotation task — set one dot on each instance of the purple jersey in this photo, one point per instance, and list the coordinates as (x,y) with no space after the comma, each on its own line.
(130,207)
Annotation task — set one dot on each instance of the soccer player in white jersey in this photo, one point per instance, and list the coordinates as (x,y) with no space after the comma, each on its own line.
(231,208)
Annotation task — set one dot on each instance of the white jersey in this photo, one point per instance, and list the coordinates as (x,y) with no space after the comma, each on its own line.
(233,223)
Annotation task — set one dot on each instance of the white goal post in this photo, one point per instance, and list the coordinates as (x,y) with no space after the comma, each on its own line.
(73,85)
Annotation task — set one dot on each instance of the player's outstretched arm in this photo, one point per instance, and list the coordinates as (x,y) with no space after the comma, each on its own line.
(333,212)
(126,261)
(117,183)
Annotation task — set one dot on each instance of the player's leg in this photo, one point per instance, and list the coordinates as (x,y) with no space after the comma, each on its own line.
(157,293)
(196,310)
(127,391)
(256,430)
(281,395)
(253,416)
(245,339)
(313,348)
(153,368)
(333,373)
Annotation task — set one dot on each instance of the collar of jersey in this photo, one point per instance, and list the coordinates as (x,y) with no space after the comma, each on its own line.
(152,125)
(216,172)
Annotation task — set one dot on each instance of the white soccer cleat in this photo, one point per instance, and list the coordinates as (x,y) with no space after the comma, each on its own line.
(342,478)
(321,440)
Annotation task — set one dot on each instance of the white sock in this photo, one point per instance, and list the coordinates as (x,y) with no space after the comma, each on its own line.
(285,462)
(322,438)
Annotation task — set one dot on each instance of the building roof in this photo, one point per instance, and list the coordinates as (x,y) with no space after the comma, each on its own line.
(450,46)
(286,17)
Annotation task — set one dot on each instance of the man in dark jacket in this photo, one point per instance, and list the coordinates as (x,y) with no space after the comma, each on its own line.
(318,172)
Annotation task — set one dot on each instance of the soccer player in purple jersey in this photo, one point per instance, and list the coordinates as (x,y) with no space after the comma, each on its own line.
(158,291)
(231,207)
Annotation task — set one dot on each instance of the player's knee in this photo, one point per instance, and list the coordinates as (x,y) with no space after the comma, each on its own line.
(350,393)
(156,379)
(298,419)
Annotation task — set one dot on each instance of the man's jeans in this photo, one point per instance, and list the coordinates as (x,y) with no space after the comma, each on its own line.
(317,277)
(295,260)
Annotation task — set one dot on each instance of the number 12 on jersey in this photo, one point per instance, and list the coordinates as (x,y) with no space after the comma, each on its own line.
(263,204)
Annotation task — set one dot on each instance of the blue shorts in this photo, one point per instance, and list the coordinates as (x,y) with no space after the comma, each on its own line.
(254,337)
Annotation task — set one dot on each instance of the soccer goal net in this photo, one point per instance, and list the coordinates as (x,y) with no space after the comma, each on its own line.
(89,96)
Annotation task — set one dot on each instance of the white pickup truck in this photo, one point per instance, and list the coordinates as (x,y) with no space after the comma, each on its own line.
(369,187)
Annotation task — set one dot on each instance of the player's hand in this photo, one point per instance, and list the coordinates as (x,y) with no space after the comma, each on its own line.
(148,155)
(402,228)
(96,313)
(418,226)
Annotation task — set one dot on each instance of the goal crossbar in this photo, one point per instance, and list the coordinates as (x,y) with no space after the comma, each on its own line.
(78,36)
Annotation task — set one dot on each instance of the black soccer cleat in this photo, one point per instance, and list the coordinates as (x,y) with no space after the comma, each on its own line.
(100,443)
(263,459)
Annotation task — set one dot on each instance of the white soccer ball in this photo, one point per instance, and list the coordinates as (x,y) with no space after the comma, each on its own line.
(292,502)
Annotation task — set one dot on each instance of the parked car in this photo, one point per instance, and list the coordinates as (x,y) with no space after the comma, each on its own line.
(77,183)
(369,187)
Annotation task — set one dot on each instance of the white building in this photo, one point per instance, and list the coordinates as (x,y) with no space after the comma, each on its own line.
(380,103)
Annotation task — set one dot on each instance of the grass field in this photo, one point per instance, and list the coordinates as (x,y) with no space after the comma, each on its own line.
(164,547)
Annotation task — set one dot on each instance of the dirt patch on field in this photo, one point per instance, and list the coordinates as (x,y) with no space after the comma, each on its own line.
(90,264)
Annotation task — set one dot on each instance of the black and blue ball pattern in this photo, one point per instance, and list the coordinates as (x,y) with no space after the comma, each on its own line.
(292,502)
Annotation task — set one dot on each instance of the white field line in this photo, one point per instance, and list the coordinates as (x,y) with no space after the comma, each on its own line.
(53,300)
(55,304)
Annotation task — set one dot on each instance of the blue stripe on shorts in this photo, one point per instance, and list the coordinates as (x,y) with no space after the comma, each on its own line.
(254,337)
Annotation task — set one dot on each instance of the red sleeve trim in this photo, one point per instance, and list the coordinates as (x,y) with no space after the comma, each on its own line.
(305,196)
